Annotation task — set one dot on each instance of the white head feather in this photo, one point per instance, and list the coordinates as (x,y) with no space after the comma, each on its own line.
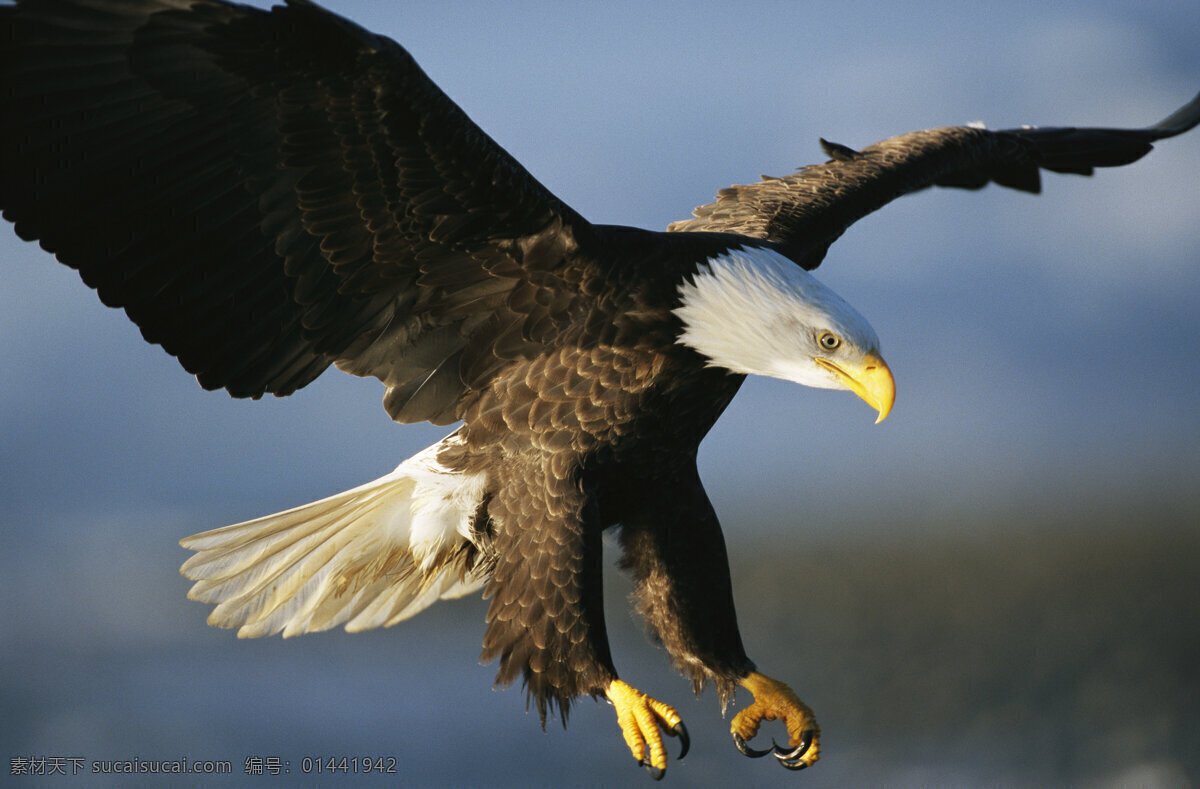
(754,311)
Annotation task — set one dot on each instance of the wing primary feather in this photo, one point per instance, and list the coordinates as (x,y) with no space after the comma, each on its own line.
(805,212)
(261,190)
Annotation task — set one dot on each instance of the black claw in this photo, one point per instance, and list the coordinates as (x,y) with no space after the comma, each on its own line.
(793,765)
(685,741)
(792,759)
(656,773)
(746,750)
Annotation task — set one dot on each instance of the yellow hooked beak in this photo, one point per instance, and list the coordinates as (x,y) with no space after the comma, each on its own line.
(872,381)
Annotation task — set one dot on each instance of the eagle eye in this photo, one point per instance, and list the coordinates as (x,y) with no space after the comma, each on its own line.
(829,341)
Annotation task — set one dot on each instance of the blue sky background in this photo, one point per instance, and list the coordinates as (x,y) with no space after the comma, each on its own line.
(1046,351)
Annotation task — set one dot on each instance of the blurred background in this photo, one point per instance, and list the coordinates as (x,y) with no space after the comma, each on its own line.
(996,586)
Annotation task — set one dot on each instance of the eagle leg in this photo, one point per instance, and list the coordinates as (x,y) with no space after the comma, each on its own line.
(641,718)
(774,700)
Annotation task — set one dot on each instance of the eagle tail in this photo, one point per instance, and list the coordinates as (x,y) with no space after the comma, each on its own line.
(369,557)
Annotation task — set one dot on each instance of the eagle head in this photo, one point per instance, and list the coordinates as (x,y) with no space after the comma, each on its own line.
(755,312)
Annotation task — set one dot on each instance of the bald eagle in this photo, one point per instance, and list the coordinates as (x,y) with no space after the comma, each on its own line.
(266,193)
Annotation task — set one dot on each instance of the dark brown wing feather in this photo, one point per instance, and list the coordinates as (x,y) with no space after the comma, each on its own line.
(268,192)
(806,212)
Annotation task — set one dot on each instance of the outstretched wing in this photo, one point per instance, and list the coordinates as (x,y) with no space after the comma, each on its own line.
(807,211)
(269,192)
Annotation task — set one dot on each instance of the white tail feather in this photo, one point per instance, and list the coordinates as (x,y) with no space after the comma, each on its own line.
(369,557)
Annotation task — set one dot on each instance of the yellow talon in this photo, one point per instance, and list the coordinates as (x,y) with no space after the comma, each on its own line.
(774,700)
(640,718)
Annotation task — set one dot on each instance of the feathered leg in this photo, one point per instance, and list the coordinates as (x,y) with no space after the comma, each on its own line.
(674,548)
(546,618)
